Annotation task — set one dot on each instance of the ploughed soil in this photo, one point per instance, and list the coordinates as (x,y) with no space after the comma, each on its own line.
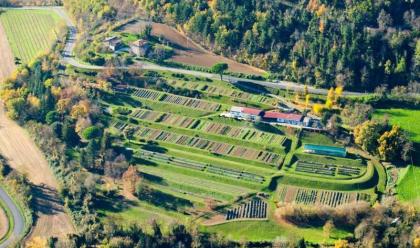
(24,156)
(187,51)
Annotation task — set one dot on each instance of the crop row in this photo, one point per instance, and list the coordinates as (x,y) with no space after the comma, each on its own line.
(292,194)
(326,169)
(175,99)
(246,134)
(254,209)
(204,144)
(231,93)
(159,157)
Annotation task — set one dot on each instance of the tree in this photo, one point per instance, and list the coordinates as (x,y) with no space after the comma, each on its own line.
(131,178)
(356,114)
(391,144)
(129,132)
(220,68)
(341,243)
(368,133)
(91,132)
(327,229)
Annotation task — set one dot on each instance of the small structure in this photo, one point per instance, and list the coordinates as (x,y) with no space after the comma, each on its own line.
(140,48)
(284,118)
(325,150)
(113,43)
(243,113)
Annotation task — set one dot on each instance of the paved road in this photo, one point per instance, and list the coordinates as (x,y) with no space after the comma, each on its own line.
(19,221)
(68,58)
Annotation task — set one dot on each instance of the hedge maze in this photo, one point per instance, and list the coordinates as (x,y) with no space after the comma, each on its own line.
(190,164)
(254,209)
(306,196)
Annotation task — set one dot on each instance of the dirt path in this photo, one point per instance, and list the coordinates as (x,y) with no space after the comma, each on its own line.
(4,223)
(7,61)
(24,156)
(188,52)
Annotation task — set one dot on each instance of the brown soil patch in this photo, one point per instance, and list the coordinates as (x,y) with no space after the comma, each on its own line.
(7,61)
(24,156)
(4,223)
(188,52)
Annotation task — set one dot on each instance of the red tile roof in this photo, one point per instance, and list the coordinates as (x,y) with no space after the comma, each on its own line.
(251,111)
(278,115)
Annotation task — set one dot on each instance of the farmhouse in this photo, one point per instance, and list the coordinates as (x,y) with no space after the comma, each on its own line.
(140,47)
(113,43)
(243,113)
(325,150)
(286,118)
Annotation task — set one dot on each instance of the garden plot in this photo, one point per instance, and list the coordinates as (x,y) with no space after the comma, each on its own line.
(327,169)
(147,94)
(158,96)
(196,182)
(186,163)
(246,134)
(216,91)
(254,209)
(292,194)
(191,103)
(204,144)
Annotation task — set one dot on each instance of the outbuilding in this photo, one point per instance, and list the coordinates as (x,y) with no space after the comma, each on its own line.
(325,150)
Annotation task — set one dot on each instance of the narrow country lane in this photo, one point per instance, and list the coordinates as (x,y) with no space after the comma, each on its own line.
(18,220)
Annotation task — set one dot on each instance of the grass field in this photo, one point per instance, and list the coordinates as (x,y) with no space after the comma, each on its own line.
(270,230)
(30,32)
(406,118)
(408,187)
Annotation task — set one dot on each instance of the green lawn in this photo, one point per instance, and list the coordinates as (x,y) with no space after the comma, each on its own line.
(269,230)
(406,118)
(30,32)
(408,187)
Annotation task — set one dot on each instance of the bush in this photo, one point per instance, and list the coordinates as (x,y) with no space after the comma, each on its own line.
(92,132)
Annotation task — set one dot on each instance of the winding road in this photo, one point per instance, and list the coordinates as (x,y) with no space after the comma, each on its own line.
(18,220)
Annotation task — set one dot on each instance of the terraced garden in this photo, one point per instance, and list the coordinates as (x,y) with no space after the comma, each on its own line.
(183,148)
(307,196)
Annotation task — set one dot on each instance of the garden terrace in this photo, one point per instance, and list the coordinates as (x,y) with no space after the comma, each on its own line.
(225,91)
(208,145)
(254,209)
(327,169)
(306,196)
(158,96)
(196,183)
(208,127)
(190,164)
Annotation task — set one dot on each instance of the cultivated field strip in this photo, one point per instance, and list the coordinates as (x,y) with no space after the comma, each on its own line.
(190,164)
(231,93)
(254,209)
(306,196)
(241,133)
(326,169)
(196,182)
(158,96)
(204,144)
(29,32)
